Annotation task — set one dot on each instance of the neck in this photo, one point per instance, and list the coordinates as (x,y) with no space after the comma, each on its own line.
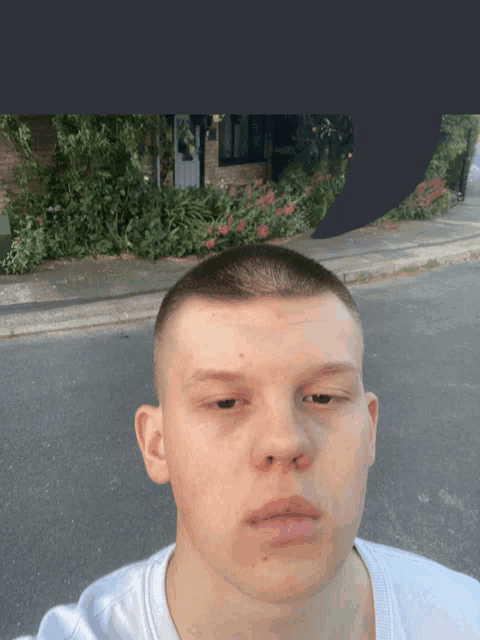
(344,610)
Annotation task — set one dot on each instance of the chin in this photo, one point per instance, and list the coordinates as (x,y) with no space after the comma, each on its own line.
(278,580)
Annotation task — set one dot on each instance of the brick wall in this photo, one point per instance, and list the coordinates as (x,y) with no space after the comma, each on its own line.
(43,143)
(231,175)
(8,159)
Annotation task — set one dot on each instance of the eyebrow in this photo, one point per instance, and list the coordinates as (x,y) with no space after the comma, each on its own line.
(315,371)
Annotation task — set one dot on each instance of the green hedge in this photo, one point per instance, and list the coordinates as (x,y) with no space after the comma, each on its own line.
(96,200)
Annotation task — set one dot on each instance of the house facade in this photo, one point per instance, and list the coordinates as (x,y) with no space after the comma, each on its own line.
(240,149)
(243,148)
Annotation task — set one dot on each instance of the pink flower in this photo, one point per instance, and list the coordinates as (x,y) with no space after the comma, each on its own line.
(233,191)
(261,203)
(437,182)
(318,178)
(290,209)
(230,220)
(241,226)
(262,231)
(241,181)
(210,229)
(264,201)
(259,182)
(210,243)
(280,211)
(40,219)
(222,231)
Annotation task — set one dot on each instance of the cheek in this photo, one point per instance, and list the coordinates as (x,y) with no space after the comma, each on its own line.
(345,497)
(195,466)
(344,463)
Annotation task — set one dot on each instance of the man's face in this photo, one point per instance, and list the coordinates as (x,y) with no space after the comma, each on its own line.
(275,438)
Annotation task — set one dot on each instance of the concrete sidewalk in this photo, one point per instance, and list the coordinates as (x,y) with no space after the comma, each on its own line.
(88,293)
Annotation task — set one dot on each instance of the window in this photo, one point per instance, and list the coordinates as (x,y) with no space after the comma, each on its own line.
(242,139)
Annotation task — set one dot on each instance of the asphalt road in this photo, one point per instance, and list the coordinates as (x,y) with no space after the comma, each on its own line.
(76,502)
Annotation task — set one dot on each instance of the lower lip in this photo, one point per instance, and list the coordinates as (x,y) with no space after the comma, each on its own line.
(286,528)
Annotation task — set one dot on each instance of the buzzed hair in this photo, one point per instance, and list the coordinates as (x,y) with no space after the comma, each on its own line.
(250,272)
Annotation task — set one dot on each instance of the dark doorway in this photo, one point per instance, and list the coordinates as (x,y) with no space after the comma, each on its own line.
(285,127)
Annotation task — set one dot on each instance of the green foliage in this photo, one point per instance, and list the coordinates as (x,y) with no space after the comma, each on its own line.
(29,248)
(456,129)
(96,183)
(170,227)
(324,140)
(294,180)
(95,198)
(322,188)
(455,163)
(444,167)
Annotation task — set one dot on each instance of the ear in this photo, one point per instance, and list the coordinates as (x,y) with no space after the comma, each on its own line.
(372,402)
(150,438)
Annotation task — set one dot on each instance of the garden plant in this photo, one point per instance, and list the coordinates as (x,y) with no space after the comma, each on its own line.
(98,199)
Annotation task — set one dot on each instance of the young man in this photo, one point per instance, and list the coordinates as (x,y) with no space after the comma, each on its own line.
(266,434)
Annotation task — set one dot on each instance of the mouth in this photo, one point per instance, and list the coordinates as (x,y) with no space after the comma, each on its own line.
(285,522)
(288,528)
(284,516)
(295,508)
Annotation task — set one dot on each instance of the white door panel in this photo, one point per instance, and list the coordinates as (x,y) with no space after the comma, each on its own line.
(187,165)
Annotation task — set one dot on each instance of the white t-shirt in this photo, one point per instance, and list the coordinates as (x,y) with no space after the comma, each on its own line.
(415,599)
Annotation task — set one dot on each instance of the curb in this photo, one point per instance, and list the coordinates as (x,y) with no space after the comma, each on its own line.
(82,316)
(145,307)
(389,268)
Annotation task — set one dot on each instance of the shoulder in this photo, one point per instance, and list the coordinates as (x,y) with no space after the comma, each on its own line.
(426,592)
(113,604)
(115,586)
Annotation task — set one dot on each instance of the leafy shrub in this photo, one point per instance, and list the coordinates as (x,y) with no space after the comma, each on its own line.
(28,249)
(429,199)
(96,198)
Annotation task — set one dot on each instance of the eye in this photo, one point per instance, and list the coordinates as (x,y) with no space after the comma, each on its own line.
(324,398)
(228,402)
(319,399)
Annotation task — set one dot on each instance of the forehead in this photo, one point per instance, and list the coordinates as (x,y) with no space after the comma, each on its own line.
(276,330)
